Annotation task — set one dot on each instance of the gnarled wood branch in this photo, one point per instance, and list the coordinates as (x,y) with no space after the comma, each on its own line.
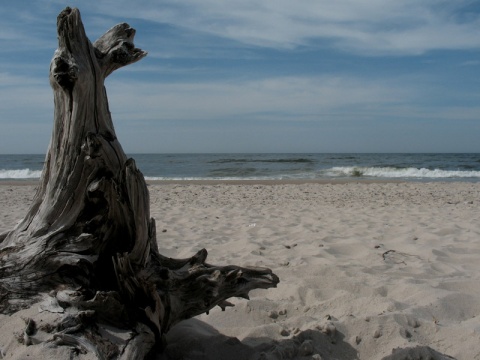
(88,239)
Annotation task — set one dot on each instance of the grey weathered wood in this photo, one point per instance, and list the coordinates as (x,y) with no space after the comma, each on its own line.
(88,238)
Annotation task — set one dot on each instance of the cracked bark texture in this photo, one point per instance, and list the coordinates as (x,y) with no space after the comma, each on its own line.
(88,239)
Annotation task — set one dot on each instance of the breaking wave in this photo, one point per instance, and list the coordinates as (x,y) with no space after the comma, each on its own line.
(392,172)
(20,174)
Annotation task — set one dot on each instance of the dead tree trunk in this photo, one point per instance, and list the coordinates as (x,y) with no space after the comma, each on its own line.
(88,239)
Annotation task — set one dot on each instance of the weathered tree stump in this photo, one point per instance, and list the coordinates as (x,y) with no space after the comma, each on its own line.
(88,240)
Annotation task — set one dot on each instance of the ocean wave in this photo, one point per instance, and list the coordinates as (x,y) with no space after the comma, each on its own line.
(226,178)
(20,174)
(393,172)
(232,172)
(251,174)
(280,160)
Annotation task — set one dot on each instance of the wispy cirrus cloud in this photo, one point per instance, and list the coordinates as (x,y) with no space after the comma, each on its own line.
(290,98)
(371,27)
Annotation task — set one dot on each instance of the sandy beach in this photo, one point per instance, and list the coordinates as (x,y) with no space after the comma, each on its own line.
(364,268)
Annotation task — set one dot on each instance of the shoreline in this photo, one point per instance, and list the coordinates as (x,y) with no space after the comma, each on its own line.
(254,182)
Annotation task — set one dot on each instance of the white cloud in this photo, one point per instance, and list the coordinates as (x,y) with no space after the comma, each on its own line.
(292,97)
(369,27)
(24,99)
(27,26)
(471,63)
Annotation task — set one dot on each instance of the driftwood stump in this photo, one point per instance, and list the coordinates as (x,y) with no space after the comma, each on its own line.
(88,242)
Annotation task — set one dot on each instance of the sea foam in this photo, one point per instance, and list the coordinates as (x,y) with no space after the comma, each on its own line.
(20,174)
(391,172)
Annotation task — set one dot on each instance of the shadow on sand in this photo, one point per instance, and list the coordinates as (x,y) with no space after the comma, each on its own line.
(196,340)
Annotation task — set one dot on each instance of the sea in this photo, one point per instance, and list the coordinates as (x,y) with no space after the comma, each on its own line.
(294,166)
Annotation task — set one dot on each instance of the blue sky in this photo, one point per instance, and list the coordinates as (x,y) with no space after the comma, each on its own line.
(261,76)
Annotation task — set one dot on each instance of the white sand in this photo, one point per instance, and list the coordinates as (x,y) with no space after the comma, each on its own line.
(364,268)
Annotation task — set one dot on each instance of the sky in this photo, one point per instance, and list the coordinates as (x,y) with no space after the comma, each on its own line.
(261,76)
